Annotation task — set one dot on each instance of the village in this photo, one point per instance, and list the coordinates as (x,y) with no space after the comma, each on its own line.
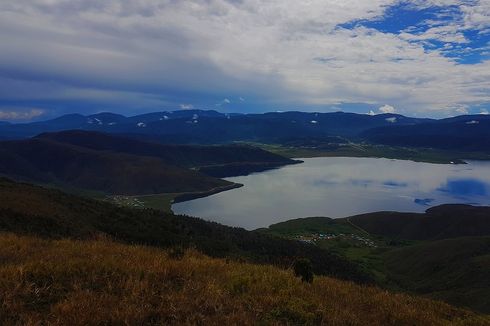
(126,201)
(315,237)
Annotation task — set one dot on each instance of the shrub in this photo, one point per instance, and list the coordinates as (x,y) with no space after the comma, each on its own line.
(302,268)
(176,252)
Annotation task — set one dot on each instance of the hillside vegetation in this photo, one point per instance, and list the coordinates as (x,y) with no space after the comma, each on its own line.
(69,282)
(405,252)
(454,270)
(208,127)
(468,133)
(115,165)
(64,165)
(32,210)
(445,221)
(190,156)
(301,134)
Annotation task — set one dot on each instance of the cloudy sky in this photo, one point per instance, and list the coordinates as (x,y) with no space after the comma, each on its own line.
(418,58)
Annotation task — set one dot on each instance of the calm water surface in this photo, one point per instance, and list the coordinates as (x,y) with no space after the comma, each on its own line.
(339,187)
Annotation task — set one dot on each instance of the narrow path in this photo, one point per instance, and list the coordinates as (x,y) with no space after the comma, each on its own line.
(357,227)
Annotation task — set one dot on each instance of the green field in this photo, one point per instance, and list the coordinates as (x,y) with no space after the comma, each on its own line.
(162,202)
(377,151)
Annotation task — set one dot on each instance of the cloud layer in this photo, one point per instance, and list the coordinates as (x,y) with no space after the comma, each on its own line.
(20,114)
(148,54)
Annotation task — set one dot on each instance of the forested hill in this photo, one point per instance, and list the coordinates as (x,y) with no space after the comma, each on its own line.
(116,165)
(48,162)
(464,133)
(441,222)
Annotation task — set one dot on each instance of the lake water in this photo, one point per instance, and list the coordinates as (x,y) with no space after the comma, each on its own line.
(340,187)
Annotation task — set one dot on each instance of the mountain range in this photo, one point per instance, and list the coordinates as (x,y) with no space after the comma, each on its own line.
(467,132)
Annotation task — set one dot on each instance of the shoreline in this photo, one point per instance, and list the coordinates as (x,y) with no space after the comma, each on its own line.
(183,197)
(422,155)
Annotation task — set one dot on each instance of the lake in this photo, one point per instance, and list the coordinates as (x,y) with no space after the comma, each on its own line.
(340,187)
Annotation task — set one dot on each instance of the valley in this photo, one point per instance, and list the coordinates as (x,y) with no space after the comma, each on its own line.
(244,162)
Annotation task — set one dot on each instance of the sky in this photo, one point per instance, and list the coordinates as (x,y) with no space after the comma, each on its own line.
(418,58)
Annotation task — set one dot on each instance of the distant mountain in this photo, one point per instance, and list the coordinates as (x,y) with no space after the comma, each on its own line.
(441,222)
(190,156)
(200,126)
(49,162)
(105,118)
(116,165)
(462,133)
(465,133)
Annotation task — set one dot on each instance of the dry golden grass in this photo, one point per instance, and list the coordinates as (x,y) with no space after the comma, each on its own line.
(99,282)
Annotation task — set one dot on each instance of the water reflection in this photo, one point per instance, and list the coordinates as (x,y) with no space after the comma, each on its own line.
(339,187)
(424,201)
(463,188)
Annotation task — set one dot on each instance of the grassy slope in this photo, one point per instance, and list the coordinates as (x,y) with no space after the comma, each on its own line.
(100,282)
(366,257)
(27,209)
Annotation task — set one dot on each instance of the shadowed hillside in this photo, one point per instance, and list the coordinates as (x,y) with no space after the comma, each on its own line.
(445,221)
(117,165)
(467,133)
(454,270)
(49,162)
(178,155)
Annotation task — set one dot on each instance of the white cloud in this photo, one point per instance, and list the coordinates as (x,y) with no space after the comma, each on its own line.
(462,110)
(387,109)
(282,51)
(186,106)
(17,114)
(484,112)
(371,113)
